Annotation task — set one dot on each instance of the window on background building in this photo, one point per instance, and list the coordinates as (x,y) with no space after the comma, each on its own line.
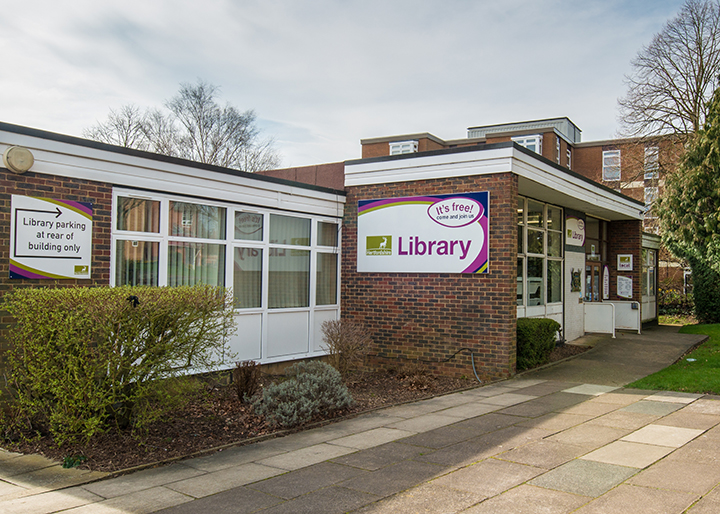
(533,142)
(569,159)
(557,148)
(540,253)
(611,165)
(651,194)
(651,162)
(401,147)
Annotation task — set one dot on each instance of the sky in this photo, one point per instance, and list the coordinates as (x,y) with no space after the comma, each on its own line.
(323,75)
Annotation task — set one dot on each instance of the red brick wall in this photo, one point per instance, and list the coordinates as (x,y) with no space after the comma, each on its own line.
(429,316)
(47,186)
(330,175)
(625,237)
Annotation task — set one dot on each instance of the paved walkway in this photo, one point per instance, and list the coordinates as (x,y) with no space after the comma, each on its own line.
(563,439)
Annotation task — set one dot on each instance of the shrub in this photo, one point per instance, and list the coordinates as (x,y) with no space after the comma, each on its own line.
(672,302)
(706,291)
(347,344)
(311,389)
(535,341)
(82,359)
(246,379)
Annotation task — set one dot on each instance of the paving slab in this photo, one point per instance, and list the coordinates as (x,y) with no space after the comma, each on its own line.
(425,499)
(380,456)
(140,502)
(489,477)
(469,410)
(555,421)
(25,464)
(331,500)
(52,501)
(141,480)
(687,419)
(551,403)
(623,420)
(304,457)
(585,478)
(545,388)
(701,450)
(591,389)
(292,485)
(653,408)
(230,457)
(543,454)
(708,504)
(488,423)
(690,477)
(639,500)
(674,397)
(507,399)
(633,455)
(705,406)
(592,409)
(393,479)
(424,423)
(228,478)
(619,397)
(441,437)
(662,435)
(527,499)
(588,436)
(239,500)
(371,438)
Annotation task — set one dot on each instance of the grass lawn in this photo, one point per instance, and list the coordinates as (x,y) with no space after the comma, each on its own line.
(699,376)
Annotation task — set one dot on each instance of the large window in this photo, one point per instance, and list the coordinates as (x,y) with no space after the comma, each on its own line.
(540,253)
(647,277)
(611,165)
(271,260)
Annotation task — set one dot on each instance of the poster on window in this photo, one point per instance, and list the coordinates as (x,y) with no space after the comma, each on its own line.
(50,239)
(624,287)
(424,234)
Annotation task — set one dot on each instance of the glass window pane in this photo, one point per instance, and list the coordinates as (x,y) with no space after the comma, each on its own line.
(289,278)
(247,278)
(137,263)
(520,281)
(554,218)
(195,263)
(520,240)
(535,294)
(326,286)
(327,234)
(592,249)
(138,215)
(535,241)
(535,215)
(248,226)
(554,281)
(521,211)
(195,220)
(288,230)
(554,244)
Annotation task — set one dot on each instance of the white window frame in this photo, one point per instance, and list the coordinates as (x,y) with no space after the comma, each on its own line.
(652,165)
(569,158)
(534,140)
(611,171)
(403,147)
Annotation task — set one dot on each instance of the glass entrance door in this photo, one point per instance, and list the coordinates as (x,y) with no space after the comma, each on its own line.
(592,282)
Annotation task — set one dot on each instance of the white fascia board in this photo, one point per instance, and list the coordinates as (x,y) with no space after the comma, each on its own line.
(495,160)
(117,169)
(485,162)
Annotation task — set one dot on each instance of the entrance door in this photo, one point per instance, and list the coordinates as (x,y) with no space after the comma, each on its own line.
(593,282)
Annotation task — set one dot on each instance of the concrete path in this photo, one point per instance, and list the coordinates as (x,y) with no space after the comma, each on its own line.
(556,440)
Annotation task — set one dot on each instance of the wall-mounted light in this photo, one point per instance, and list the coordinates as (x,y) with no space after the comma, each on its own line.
(18,159)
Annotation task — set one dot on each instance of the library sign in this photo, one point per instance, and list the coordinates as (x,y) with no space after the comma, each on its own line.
(424,234)
(49,238)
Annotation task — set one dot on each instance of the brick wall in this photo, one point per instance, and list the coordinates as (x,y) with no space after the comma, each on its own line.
(625,237)
(47,186)
(430,316)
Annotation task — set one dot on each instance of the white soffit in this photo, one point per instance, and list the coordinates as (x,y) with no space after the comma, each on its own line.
(117,169)
(536,178)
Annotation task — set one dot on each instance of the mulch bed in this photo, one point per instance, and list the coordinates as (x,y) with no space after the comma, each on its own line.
(217,418)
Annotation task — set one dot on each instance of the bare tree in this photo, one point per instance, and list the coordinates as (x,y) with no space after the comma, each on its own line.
(674,77)
(194,127)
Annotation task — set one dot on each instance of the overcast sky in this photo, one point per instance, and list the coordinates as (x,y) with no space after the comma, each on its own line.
(321,75)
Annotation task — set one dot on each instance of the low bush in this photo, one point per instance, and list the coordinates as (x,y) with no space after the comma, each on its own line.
(82,359)
(347,344)
(246,379)
(672,302)
(536,339)
(311,389)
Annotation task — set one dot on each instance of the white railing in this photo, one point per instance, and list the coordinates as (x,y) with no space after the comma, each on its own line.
(627,315)
(600,317)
